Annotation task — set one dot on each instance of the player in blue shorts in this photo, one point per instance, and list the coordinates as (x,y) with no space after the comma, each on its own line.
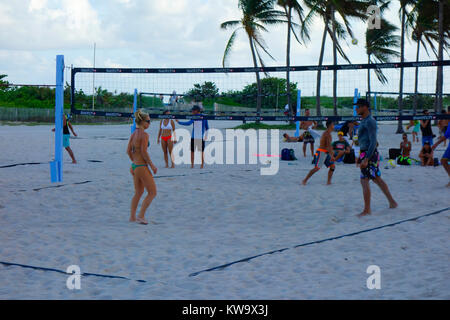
(446,156)
(369,157)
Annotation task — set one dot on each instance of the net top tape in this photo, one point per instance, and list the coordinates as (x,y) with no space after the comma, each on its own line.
(260,118)
(266,69)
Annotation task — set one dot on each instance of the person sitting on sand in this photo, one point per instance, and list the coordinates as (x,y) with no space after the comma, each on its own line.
(426,155)
(340,147)
(66,136)
(166,129)
(405,151)
(324,154)
(142,177)
(288,138)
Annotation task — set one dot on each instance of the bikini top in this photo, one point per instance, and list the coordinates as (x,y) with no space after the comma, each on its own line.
(166,127)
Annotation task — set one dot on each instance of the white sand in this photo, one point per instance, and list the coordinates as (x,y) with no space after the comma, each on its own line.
(204,220)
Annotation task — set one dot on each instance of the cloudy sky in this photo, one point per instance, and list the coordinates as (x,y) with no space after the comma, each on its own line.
(141,33)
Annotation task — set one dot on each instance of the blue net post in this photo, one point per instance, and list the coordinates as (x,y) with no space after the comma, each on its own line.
(355,99)
(299,105)
(56,166)
(133,127)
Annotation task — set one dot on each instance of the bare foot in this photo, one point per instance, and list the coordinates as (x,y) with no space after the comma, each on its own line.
(201,167)
(141,220)
(166,166)
(74,161)
(328,183)
(393,205)
(364,213)
(173,166)
(304,182)
(448,185)
(132,219)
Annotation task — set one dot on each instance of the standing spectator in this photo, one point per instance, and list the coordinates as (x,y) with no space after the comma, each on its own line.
(427,132)
(446,156)
(442,125)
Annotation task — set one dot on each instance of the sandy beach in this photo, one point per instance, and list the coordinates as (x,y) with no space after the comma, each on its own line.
(202,218)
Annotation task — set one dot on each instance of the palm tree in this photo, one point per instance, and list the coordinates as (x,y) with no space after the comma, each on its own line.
(255,15)
(289,6)
(423,21)
(379,44)
(404,4)
(327,10)
(443,35)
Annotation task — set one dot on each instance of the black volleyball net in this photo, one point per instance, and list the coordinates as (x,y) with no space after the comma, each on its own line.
(232,93)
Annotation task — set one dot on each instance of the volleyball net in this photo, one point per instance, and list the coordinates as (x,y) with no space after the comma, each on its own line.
(232,93)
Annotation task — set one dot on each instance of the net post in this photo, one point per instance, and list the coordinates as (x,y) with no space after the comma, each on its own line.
(355,99)
(133,127)
(299,105)
(56,166)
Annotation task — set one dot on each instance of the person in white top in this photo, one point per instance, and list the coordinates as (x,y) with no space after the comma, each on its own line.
(166,127)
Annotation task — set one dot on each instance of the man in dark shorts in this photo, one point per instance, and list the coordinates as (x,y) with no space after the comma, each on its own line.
(307,136)
(199,130)
(369,157)
(323,155)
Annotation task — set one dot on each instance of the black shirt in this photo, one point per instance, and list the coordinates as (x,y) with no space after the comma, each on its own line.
(426,132)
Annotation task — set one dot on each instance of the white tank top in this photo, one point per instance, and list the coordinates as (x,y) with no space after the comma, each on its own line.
(168,127)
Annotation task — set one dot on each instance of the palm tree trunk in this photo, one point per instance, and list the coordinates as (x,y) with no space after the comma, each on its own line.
(368,78)
(417,78)
(288,62)
(334,61)
(319,72)
(258,81)
(402,58)
(439,77)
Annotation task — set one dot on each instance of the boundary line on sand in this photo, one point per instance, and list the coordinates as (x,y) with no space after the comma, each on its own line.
(234,262)
(61,271)
(223,266)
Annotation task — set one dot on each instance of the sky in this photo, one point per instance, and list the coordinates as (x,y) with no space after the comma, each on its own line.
(145,34)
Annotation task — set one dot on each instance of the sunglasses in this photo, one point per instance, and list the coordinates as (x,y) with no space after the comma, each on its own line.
(148,121)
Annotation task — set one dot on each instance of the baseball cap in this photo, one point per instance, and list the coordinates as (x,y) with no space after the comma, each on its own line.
(340,133)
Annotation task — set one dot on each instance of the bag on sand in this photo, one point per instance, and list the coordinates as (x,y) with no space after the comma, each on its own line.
(288,154)
(394,153)
(350,157)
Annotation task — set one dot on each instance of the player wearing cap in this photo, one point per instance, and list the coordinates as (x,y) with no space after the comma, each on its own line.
(199,134)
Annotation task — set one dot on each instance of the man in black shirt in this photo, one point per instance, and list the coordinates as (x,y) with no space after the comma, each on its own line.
(427,132)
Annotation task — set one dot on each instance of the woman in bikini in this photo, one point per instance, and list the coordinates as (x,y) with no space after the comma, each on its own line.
(166,127)
(140,160)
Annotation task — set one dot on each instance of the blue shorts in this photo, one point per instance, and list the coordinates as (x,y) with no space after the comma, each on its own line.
(373,168)
(66,140)
(447,153)
(428,139)
(322,157)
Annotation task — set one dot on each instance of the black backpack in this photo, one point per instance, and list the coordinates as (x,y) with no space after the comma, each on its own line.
(350,157)
(288,154)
